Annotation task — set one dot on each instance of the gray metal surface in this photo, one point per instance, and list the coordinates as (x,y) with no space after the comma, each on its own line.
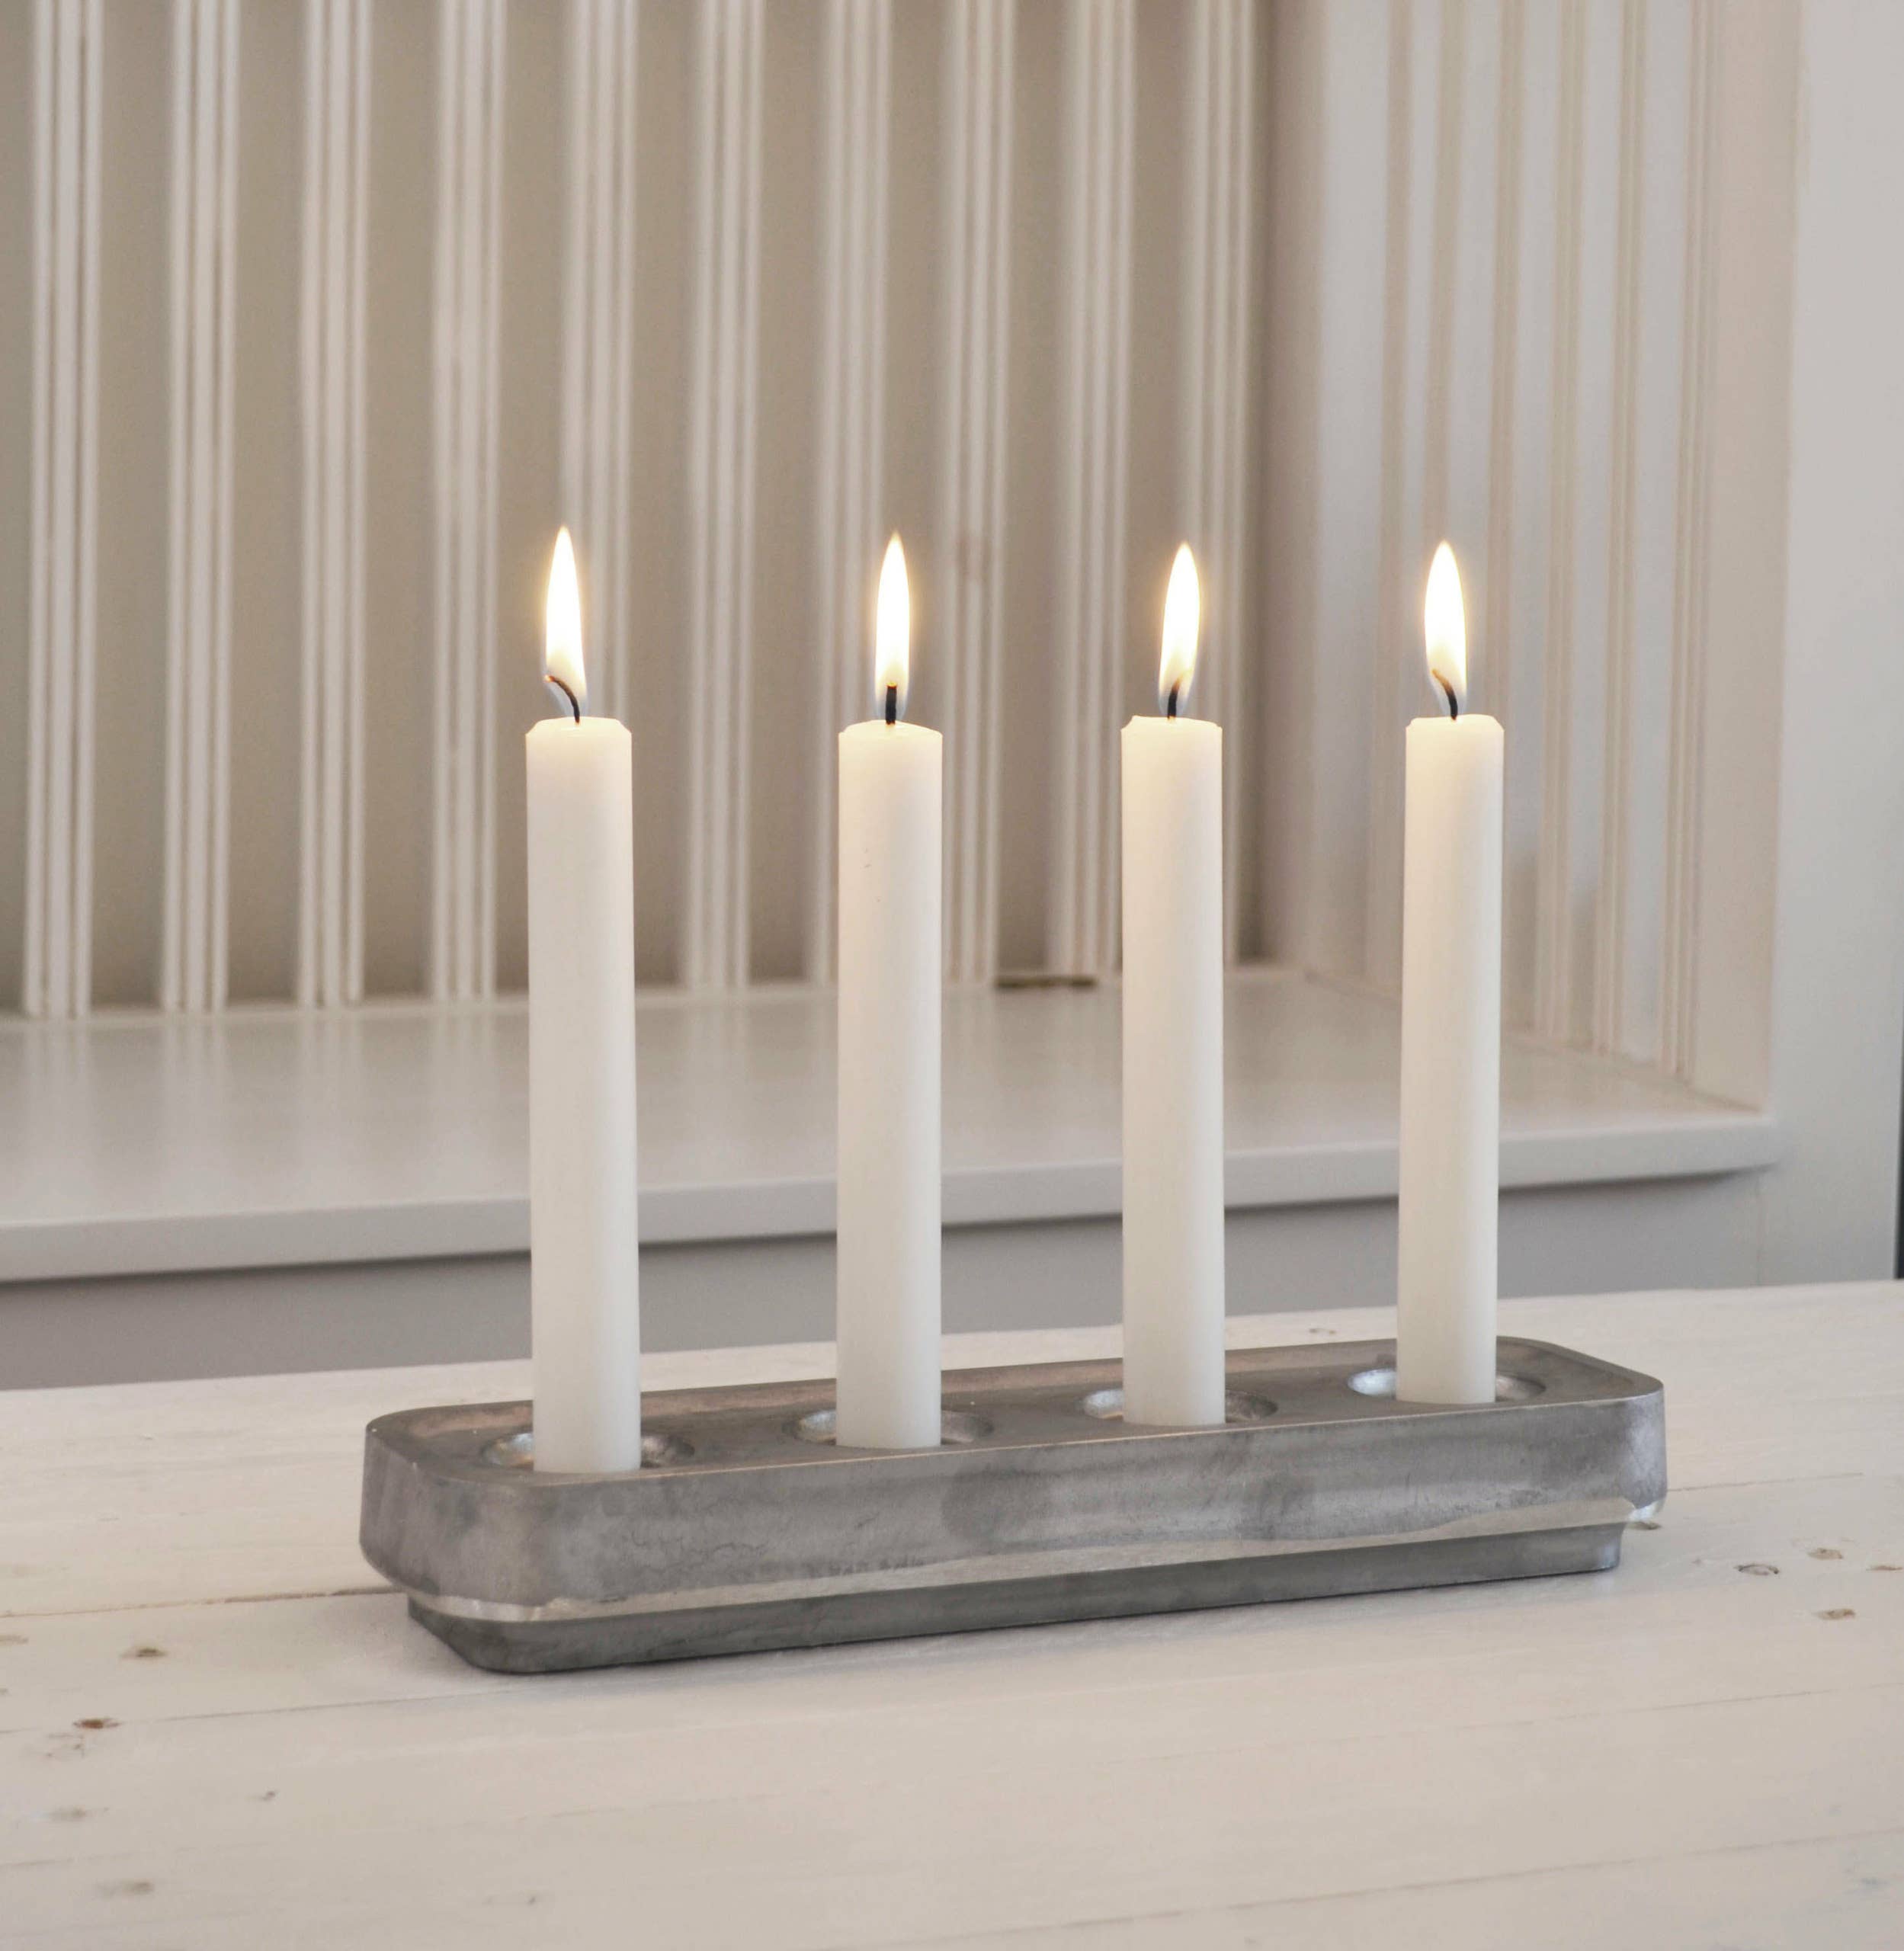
(748,1529)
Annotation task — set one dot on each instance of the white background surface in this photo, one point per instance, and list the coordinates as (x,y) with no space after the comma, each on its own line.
(1839,995)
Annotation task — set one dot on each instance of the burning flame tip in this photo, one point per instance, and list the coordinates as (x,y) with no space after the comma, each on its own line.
(562,659)
(1444,628)
(1183,605)
(892,632)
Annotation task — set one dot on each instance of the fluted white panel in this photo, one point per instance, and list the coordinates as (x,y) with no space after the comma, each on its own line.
(974,431)
(1027,271)
(1693,537)
(1649,330)
(1609,984)
(1412,490)
(1473,319)
(467,269)
(1581,492)
(723,388)
(855,109)
(1219,133)
(56,952)
(1101,94)
(1546,286)
(204,242)
(1516,603)
(330,966)
(597,397)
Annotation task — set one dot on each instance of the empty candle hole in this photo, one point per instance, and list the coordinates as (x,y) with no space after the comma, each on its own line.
(1380,1383)
(955,1426)
(1107,1405)
(518,1452)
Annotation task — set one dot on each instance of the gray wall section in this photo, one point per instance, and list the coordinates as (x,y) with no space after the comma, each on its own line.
(1679,1233)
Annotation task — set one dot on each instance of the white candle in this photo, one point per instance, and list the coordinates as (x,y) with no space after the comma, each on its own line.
(584,1307)
(887,1305)
(1173,1043)
(1450,1121)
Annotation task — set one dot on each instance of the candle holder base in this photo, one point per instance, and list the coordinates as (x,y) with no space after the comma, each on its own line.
(749,1530)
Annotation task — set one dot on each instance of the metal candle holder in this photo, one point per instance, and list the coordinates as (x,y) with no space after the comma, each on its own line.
(746,1528)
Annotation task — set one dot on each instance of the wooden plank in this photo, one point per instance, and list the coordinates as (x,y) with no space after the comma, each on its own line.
(835,1838)
(1843,1893)
(248,1488)
(1680,1623)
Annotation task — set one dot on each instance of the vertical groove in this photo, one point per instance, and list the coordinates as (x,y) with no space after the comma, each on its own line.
(1610,943)
(1443,264)
(721,486)
(978,193)
(218,919)
(1553,901)
(1092,576)
(177,592)
(1216,414)
(1499,600)
(1692,539)
(1394,545)
(199,555)
(330,899)
(993,486)
(356,676)
(483,745)
(1122,88)
(43,513)
(1507,577)
(463,957)
(856,113)
(55,974)
(85,645)
(599,307)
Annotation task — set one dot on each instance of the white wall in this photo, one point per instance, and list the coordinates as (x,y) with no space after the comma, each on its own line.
(1830,1209)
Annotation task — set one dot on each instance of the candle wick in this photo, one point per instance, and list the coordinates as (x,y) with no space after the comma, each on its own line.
(892,704)
(1170,703)
(575,703)
(1447,691)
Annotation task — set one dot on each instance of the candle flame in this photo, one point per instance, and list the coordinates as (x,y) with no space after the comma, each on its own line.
(1183,614)
(1444,622)
(562,665)
(893,634)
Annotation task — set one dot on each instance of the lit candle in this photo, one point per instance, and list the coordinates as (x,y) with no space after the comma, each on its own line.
(887,1305)
(1173,1043)
(584,1307)
(1450,1122)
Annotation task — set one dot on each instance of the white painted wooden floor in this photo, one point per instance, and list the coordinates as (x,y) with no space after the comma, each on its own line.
(215,1731)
